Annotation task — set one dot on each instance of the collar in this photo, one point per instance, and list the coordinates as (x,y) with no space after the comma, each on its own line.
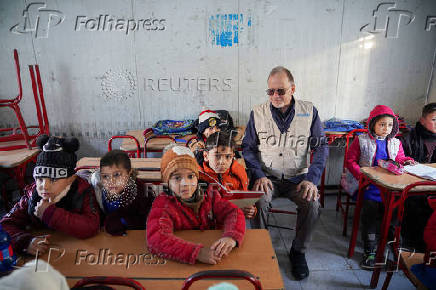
(288,111)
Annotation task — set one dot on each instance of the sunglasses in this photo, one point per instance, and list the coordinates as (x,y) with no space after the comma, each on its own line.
(280,92)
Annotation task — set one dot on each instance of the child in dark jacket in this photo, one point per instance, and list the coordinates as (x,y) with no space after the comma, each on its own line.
(185,206)
(365,151)
(419,143)
(220,166)
(124,200)
(208,123)
(59,199)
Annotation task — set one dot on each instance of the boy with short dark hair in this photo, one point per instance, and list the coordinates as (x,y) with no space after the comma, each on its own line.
(419,143)
(220,164)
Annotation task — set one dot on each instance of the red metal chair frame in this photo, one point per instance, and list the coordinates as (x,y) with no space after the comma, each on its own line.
(130,153)
(400,214)
(340,205)
(149,135)
(222,274)
(43,124)
(109,280)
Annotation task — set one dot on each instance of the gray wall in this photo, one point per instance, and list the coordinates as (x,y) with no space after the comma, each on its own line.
(141,61)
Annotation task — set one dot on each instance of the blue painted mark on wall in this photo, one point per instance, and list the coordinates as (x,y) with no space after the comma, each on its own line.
(225,29)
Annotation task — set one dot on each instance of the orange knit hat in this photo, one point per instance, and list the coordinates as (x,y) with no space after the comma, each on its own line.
(176,157)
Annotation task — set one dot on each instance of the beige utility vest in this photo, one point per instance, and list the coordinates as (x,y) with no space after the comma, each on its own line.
(284,155)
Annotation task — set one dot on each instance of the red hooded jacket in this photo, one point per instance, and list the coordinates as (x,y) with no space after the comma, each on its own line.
(353,155)
(76,214)
(168,214)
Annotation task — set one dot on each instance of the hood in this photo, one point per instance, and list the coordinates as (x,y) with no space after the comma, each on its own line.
(383,110)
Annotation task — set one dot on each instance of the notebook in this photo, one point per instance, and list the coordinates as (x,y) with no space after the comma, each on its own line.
(422,171)
(243,198)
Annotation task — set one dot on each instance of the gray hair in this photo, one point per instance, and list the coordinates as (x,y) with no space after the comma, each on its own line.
(282,69)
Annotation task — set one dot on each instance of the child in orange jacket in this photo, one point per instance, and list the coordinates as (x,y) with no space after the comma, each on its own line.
(219,165)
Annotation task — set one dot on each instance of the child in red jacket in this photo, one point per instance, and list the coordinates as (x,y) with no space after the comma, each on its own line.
(220,166)
(365,151)
(59,199)
(124,200)
(185,206)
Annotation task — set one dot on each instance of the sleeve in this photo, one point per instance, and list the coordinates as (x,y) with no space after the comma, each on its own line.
(138,218)
(405,142)
(15,222)
(161,239)
(250,150)
(401,157)
(319,145)
(353,157)
(229,215)
(80,225)
(430,233)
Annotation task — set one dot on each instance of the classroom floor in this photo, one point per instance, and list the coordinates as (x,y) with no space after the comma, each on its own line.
(326,256)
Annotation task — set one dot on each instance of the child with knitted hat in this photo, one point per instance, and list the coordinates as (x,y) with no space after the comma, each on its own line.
(58,199)
(185,206)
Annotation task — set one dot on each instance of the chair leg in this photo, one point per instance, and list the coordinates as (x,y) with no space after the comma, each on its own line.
(23,127)
(345,226)
(387,280)
(338,199)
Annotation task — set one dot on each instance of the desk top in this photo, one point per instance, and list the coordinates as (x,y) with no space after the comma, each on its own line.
(128,256)
(137,163)
(13,158)
(394,182)
(159,144)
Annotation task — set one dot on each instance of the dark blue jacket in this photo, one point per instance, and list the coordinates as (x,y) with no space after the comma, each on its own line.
(317,137)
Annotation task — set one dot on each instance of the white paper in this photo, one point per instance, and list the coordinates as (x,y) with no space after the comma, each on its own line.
(422,171)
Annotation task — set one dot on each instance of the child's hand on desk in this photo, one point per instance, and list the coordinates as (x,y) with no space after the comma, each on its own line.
(207,256)
(223,246)
(410,162)
(38,244)
(249,211)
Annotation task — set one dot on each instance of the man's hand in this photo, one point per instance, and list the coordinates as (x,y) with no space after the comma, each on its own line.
(207,256)
(38,244)
(308,190)
(223,246)
(40,208)
(249,211)
(263,184)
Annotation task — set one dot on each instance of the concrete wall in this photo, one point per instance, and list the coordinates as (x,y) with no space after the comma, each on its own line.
(109,66)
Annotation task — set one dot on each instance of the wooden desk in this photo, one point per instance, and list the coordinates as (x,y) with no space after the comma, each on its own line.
(91,257)
(14,158)
(390,186)
(14,163)
(157,145)
(148,164)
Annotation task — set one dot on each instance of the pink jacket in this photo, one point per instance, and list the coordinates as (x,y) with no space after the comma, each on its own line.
(354,158)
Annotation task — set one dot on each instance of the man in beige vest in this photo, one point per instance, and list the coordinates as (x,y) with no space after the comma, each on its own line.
(277,143)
